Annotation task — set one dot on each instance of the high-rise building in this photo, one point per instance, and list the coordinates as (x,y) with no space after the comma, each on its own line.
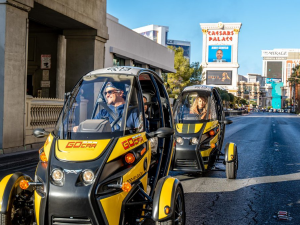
(159,34)
(278,66)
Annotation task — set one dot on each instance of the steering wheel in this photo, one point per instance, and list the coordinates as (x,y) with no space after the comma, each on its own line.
(115,117)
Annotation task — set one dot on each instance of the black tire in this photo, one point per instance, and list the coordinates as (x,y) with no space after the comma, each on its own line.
(9,217)
(178,217)
(231,168)
(4,219)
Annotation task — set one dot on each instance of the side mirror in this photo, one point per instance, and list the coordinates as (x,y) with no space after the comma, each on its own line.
(162,132)
(40,132)
(227,122)
(66,97)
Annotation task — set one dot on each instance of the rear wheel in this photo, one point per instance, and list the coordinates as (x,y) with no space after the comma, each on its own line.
(178,217)
(231,168)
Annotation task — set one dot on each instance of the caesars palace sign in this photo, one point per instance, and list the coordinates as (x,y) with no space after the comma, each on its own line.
(220,35)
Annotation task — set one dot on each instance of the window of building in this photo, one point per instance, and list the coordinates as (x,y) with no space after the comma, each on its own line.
(137,64)
(118,61)
(151,68)
(289,70)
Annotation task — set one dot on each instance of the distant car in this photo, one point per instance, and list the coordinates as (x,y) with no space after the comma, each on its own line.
(200,132)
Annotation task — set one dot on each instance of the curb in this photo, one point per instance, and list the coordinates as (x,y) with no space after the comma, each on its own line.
(8,155)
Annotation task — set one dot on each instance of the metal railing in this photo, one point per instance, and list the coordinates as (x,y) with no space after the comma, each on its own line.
(40,113)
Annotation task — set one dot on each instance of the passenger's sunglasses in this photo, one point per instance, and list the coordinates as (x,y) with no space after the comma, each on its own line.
(110,92)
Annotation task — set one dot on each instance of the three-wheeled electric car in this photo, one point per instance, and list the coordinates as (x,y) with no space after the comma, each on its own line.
(200,128)
(107,160)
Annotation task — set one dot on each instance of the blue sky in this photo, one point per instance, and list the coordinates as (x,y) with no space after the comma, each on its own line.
(266,24)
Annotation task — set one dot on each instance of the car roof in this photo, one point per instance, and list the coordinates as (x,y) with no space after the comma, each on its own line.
(127,70)
(199,88)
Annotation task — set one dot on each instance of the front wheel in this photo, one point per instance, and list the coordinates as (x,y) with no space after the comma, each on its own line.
(231,168)
(178,217)
(20,210)
(3,219)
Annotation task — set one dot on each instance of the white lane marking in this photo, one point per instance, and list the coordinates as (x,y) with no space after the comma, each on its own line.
(221,185)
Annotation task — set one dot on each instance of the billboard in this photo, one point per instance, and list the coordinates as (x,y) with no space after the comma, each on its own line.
(276,95)
(273,80)
(219,53)
(274,53)
(274,69)
(219,77)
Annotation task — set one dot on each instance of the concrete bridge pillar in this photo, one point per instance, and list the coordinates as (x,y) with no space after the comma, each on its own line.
(84,53)
(13,71)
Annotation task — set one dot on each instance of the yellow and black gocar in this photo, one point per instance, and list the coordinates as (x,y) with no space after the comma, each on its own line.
(107,160)
(200,129)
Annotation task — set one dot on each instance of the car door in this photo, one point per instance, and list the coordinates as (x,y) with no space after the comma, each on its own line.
(166,144)
(220,116)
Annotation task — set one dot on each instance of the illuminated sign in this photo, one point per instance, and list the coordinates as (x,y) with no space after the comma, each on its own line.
(220,35)
(219,53)
(219,77)
(273,53)
(274,69)
(272,80)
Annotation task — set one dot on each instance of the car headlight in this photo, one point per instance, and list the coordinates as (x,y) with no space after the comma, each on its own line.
(195,141)
(88,176)
(57,175)
(179,140)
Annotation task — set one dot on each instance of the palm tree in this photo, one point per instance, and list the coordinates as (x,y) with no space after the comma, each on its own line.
(294,80)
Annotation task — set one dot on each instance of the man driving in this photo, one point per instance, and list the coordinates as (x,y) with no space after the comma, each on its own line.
(115,97)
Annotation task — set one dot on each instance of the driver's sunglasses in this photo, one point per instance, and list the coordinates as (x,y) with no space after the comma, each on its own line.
(110,92)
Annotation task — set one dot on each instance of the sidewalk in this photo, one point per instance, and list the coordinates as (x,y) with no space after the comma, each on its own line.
(18,159)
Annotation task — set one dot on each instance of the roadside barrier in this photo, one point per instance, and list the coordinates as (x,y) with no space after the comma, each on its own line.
(235,112)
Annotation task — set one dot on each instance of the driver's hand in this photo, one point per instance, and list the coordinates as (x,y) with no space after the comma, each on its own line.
(75,129)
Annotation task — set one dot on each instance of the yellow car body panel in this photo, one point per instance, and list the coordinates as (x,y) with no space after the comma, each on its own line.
(37,203)
(138,171)
(165,197)
(188,128)
(80,150)
(126,144)
(47,145)
(207,152)
(144,181)
(171,157)
(115,202)
(195,128)
(112,207)
(211,125)
(3,184)
(231,151)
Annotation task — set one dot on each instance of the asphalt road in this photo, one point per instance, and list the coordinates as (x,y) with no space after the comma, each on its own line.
(268,177)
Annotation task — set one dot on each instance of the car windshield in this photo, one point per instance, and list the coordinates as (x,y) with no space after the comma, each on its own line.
(98,108)
(192,107)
